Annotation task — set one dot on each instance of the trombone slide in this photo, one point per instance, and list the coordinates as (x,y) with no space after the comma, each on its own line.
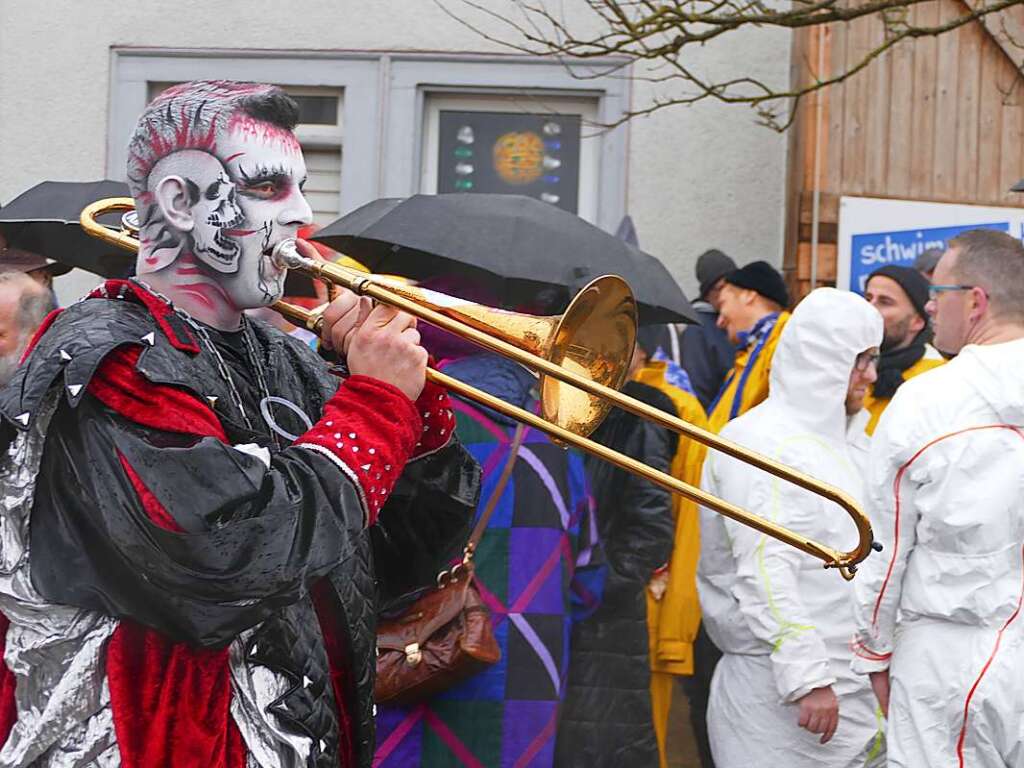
(567,418)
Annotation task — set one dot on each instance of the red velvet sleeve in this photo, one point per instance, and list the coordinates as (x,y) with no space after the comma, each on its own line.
(369,430)
(435,409)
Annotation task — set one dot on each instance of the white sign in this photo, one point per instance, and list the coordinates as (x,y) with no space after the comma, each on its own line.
(874,232)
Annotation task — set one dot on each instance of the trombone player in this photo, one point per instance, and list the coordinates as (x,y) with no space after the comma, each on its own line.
(199,514)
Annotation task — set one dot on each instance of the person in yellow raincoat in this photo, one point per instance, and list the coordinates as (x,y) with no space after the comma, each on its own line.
(673,610)
(900,294)
(752,312)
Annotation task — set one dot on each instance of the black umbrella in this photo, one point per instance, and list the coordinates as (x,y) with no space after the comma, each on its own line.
(44,220)
(526,245)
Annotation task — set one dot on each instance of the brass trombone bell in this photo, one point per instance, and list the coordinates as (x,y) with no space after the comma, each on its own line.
(582,358)
(594,338)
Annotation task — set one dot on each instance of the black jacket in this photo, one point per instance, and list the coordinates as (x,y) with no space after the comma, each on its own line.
(707,354)
(702,350)
(256,539)
(606,718)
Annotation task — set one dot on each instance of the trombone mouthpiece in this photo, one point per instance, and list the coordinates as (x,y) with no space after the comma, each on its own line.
(285,255)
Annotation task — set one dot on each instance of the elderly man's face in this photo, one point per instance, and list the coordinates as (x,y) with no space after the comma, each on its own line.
(10,328)
(42,276)
(12,335)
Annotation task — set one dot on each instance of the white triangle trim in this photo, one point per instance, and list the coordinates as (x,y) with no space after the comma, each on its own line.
(65,356)
(74,389)
(23,418)
(149,338)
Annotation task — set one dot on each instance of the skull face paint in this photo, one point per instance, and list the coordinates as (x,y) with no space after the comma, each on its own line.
(269,175)
(217,176)
(216,214)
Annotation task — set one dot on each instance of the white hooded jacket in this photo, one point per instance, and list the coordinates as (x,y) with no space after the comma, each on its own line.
(759,596)
(946,494)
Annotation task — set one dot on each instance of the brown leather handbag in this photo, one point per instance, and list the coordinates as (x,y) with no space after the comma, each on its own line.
(446,635)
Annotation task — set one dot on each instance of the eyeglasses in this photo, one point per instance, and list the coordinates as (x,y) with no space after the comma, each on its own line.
(865,360)
(935,290)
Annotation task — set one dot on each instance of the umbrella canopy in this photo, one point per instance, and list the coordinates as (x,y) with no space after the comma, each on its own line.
(44,220)
(526,245)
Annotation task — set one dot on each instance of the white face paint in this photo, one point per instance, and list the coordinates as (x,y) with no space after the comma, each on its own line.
(265,165)
(217,214)
(213,216)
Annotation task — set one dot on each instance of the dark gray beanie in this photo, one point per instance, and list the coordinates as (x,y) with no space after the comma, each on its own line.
(711,266)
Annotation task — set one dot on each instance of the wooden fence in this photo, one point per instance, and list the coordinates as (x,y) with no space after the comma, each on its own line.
(936,119)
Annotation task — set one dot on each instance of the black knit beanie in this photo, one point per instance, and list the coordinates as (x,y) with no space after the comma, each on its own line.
(913,283)
(762,277)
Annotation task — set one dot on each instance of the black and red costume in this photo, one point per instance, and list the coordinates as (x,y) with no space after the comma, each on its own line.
(182,586)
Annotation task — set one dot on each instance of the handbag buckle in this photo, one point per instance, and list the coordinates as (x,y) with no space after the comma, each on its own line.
(413,655)
(451,576)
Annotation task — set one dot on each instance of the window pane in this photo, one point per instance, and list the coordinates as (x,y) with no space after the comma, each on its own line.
(324,174)
(512,153)
(317,110)
(313,110)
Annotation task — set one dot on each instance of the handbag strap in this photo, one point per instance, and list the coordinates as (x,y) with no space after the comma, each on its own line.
(499,488)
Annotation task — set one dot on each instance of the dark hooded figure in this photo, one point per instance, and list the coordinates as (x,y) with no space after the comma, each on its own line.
(606,720)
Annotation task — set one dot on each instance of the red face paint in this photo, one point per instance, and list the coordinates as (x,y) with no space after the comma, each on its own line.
(248,128)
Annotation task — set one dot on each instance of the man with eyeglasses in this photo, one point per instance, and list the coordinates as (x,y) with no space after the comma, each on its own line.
(900,294)
(783,693)
(938,612)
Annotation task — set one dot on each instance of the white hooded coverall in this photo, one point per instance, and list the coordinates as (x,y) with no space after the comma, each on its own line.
(782,621)
(940,608)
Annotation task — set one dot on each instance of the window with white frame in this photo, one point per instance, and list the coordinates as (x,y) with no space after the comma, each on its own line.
(371,123)
(533,144)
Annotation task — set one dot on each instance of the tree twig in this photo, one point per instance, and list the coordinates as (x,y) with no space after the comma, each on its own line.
(650,37)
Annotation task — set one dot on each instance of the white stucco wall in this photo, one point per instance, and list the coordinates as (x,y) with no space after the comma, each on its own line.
(697,177)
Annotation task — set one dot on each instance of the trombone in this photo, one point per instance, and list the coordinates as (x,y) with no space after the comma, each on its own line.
(582,358)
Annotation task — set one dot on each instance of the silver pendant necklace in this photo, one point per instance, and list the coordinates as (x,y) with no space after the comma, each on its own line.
(222,368)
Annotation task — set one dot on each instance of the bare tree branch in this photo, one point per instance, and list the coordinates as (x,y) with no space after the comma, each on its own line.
(649,37)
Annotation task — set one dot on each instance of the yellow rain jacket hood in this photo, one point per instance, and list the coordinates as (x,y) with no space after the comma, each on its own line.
(747,382)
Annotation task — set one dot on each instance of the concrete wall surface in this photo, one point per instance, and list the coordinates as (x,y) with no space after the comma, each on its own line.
(697,177)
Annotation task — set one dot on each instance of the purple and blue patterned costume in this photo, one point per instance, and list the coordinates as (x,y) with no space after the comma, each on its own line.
(538,571)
